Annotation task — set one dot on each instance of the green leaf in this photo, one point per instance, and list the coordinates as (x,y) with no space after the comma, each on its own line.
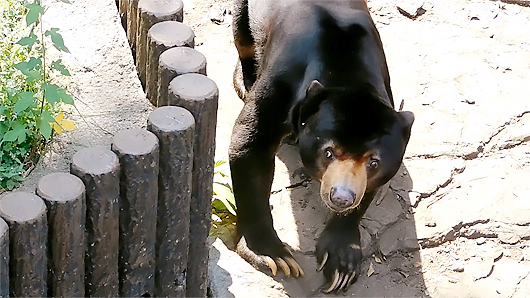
(18,133)
(219,163)
(57,39)
(10,136)
(225,195)
(34,76)
(218,206)
(2,110)
(3,130)
(31,69)
(65,97)
(60,67)
(34,12)
(32,64)
(44,124)
(26,99)
(29,41)
(51,93)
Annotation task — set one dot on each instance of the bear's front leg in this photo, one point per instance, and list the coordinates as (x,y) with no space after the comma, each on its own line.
(338,252)
(255,139)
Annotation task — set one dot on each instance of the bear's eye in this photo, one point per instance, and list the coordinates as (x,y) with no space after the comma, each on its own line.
(373,164)
(328,153)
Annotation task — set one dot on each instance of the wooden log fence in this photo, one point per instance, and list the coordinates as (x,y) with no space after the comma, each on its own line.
(151,12)
(99,169)
(119,223)
(25,214)
(160,37)
(132,219)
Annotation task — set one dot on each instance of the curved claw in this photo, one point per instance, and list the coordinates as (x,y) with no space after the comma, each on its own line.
(296,269)
(280,262)
(333,283)
(351,279)
(344,282)
(324,260)
(272,265)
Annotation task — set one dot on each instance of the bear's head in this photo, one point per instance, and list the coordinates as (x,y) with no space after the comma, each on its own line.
(350,141)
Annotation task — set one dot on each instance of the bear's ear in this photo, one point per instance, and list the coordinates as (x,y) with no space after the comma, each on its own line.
(307,106)
(406,119)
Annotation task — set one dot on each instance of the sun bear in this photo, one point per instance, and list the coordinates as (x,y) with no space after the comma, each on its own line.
(316,71)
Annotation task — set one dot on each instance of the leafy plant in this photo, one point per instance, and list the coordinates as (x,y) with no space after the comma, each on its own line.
(222,192)
(29,100)
(224,209)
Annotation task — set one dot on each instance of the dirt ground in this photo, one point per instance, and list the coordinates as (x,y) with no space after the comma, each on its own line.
(455,221)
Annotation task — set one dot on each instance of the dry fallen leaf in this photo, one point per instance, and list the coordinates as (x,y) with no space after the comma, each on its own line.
(371,270)
(61,124)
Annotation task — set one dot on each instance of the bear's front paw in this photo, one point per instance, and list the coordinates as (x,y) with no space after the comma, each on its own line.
(273,256)
(339,255)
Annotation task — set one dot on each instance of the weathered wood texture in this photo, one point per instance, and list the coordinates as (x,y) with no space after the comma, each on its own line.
(160,37)
(25,213)
(174,62)
(122,11)
(199,94)
(138,152)
(64,195)
(151,12)
(174,127)
(99,169)
(4,259)
(132,24)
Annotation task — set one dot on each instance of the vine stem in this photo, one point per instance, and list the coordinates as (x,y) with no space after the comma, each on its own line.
(43,64)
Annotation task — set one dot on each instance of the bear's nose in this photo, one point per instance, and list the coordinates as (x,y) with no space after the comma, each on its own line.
(341,197)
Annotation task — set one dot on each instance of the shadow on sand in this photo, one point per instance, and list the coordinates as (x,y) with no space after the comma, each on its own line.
(392,264)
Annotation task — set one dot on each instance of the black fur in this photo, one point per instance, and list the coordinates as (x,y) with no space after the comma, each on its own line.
(317,70)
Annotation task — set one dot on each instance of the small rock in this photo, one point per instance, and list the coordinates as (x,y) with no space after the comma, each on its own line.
(217,13)
(414,198)
(509,238)
(377,259)
(483,269)
(497,253)
(454,279)
(404,273)
(429,222)
(481,240)
(458,267)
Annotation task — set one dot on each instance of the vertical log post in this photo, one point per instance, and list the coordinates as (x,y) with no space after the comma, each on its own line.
(98,168)
(160,37)
(122,11)
(64,195)
(174,127)
(151,12)
(199,94)
(4,259)
(25,213)
(132,25)
(138,153)
(174,62)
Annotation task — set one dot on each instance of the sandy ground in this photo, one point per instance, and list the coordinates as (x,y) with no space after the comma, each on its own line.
(455,221)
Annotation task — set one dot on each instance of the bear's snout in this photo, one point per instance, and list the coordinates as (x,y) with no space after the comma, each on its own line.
(341,197)
(343,185)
